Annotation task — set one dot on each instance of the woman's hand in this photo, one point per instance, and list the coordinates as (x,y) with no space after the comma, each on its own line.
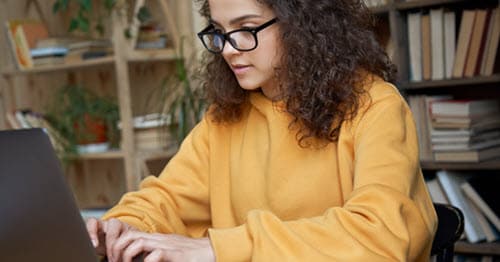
(161,247)
(104,233)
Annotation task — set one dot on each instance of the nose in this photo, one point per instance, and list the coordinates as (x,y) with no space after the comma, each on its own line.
(228,49)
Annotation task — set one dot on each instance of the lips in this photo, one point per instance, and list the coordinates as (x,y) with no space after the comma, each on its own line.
(239,68)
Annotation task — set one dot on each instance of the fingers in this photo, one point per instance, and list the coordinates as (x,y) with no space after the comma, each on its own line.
(155,256)
(93,230)
(135,248)
(113,228)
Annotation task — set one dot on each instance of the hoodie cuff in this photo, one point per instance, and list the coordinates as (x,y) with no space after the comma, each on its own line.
(139,224)
(231,244)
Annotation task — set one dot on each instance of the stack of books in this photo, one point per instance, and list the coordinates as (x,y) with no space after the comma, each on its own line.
(476,196)
(27,118)
(151,36)
(375,3)
(441,49)
(151,132)
(465,130)
(32,45)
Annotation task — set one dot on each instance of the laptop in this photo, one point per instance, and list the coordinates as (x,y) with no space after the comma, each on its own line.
(39,219)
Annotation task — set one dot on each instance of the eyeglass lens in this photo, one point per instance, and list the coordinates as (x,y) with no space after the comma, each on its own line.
(241,40)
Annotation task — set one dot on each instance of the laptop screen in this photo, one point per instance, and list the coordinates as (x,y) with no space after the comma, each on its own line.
(39,219)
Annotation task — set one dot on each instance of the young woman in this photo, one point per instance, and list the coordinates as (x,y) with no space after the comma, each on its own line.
(307,152)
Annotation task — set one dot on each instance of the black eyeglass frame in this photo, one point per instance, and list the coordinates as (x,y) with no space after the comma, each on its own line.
(226,36)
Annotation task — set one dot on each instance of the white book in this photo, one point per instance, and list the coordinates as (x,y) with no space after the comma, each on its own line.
(415,46)
(483,222)
(437,44)
(472,194)
(465,108)
(436,191)
(449,42)
(451,182)
(461,146)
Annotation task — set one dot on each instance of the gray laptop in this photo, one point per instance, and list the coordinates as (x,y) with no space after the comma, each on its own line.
(39,220)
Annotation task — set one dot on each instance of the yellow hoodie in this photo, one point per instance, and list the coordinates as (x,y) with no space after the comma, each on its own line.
(261,197)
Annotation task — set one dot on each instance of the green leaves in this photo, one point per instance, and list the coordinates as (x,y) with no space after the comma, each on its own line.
(72,106)
(81,21)
(144,14)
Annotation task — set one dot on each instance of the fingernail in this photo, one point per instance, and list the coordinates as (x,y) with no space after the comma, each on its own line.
(94,242)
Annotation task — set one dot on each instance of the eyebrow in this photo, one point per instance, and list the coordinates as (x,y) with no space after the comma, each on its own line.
(235,20)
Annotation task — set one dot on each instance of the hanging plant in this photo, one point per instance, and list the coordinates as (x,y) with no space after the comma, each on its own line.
(81,21)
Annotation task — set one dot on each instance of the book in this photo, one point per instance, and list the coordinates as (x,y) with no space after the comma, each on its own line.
(463,122)
(33,31)
(472,156)
(449,42)
(464,38)
(18,44)
(466,146)
(48,60)
(416,106)
(23,35)
(12,120)
(426,47)
(436,191)
(488,230)
(484,195)
(464,108)
(478,33)
(415,46)
(437,43)
(48,51)
(451,182)
(490,52)
(467,138)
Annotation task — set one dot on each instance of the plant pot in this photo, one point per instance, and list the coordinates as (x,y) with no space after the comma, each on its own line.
(93,131)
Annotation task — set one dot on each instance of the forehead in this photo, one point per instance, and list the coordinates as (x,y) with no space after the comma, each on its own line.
(225,10)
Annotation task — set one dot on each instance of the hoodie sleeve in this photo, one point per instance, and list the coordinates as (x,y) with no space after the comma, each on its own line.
(388,216)
(177,201)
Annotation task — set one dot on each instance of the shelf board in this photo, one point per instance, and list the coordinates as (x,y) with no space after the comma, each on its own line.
(152,55)
(486,165)
(492,248)
(157,154)
(381,9)
(112,154)
(63,67)
(423,3)
(451,82)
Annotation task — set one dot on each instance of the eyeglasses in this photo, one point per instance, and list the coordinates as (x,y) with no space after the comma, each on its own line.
(243,39)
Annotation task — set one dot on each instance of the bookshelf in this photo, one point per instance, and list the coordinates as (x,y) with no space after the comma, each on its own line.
(394,15)
(120,74)
(90,63)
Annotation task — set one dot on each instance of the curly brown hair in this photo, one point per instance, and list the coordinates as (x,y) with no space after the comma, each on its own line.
(333,45)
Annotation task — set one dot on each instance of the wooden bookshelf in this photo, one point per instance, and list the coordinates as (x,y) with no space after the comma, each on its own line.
(478,80)
(89,63)
(113,154)
(152,55)
(478,248)
(120,76)
(415,4)
(397,12)
(486,165)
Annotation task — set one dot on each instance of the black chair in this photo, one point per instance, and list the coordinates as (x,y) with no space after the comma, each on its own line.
(450,228)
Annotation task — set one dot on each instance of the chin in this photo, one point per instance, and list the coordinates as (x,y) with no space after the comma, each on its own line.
(248,86)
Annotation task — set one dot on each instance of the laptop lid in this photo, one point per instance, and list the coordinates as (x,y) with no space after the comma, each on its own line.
(39,219)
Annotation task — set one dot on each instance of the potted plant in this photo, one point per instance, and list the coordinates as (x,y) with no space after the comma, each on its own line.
(181,100)
(83,118)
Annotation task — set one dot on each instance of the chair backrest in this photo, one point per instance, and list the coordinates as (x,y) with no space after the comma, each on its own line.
(450,228)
